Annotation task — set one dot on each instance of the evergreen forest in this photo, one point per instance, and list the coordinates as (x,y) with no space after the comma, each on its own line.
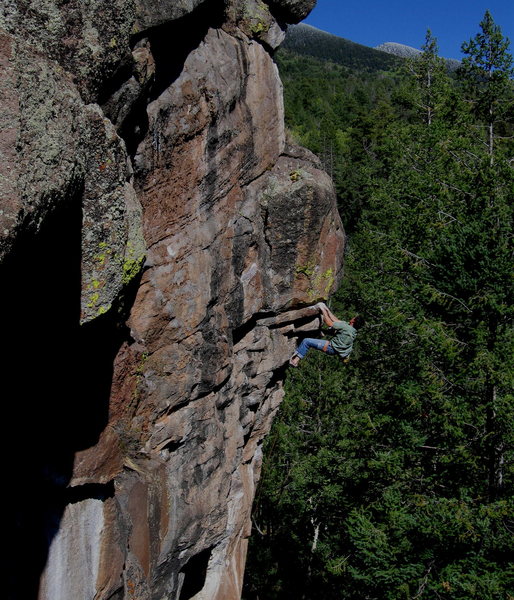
(391,477)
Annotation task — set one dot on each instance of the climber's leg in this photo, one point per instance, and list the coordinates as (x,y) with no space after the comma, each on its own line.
(304,347)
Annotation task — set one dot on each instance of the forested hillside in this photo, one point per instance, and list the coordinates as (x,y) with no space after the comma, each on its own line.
(392,477)
(305,40)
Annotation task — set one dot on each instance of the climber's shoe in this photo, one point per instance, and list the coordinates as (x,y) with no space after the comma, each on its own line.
(294,360)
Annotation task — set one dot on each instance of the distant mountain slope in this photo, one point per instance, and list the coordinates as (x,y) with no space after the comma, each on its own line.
(404,51)
(307,40)
(398,49)
(310,41)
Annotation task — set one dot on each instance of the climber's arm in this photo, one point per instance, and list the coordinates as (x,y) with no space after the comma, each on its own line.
(328,317)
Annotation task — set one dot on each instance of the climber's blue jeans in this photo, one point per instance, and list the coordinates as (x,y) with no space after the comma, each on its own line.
(307,343)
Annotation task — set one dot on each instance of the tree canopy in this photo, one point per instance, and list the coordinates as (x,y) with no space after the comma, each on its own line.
(392,477)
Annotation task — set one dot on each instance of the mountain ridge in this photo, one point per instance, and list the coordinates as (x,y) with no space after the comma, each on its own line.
(398,49)
(312,41)
(404,51)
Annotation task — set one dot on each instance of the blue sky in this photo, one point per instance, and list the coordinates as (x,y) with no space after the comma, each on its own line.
(372,22)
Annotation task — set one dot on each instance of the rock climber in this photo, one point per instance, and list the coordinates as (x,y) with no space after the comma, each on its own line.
(342,342)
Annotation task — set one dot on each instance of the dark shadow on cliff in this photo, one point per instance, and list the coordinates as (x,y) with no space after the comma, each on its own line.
(171,44)
(57,377)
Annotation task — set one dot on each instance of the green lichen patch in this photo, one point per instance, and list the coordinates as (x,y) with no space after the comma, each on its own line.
(295,175)
(131,268)
(257,18)
(132,263)
(308,270)
(93,299)
(320,282)
(111,271)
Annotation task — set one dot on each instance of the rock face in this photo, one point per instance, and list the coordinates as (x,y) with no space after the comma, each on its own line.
(161,243)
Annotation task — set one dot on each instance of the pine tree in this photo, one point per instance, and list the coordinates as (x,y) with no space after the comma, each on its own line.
(487,69)
(392,477)
(429,75)
(487,73)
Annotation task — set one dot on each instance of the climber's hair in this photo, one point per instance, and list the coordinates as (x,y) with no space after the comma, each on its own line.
(358,322)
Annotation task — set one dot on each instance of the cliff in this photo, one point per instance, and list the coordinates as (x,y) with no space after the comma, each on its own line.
(160,245)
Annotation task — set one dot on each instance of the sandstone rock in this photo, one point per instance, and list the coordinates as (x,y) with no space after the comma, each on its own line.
(9,172)
(41,161)
(87,39)
(255,19)
(77,571)
(67,153)
(118,108)
(151,13)
(173,242)
(113,248)
(292,11)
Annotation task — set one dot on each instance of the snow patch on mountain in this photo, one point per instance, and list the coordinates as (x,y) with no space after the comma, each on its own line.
(398,49)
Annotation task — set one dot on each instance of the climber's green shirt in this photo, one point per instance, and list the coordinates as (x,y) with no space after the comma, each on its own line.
(342,342)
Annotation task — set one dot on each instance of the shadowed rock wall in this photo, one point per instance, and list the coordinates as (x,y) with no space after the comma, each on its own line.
(160,245)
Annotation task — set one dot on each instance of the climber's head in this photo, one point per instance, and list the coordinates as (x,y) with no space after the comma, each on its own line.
(358,322)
